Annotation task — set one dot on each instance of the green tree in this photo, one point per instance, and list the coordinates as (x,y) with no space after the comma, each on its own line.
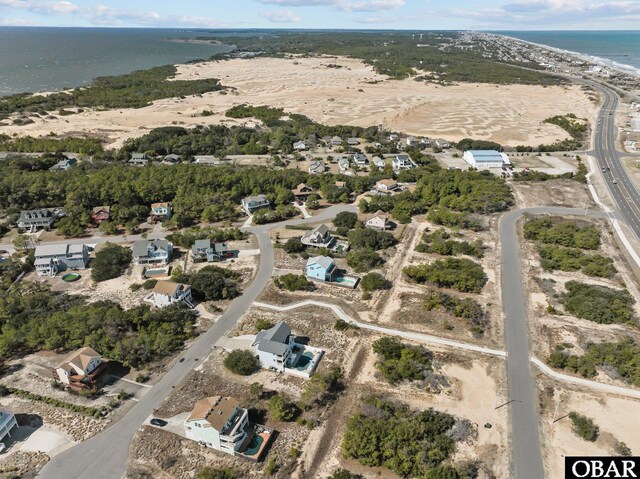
(363,260)
(345,219)
(242,362)
(374,281)
(282,408)
(110,262)
(294,245)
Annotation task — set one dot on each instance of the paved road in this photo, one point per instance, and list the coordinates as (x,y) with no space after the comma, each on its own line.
(526,456)
(105,456)
(623,191)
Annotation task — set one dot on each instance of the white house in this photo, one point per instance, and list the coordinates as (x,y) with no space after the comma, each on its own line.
(353,141)
(379,162)
(393,137)
(207,160)
(156,251)
(316,167)
(483,159)
(79,369)
(171,159)
(64,165)
(139,159)
(379,221)
(254,203)
(7,423)
(412,141)
(387,186)
(360,160)
(166,293)
(274,346)
(161,211)
(442,143)
(336,141)
(344,164)
(219,423)
(318,237)
(402,161)
(299,146)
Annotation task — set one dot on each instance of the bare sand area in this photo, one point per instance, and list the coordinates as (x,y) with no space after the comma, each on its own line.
(343,91)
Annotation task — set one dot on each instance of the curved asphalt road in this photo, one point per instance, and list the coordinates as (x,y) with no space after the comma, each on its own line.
(105,455)
(526,455)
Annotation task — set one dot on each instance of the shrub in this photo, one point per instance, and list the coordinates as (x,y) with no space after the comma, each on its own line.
(400,362)
(263,324)
(461,274)
(293,282)
(282,408)
(322,388)
(363,260)
(242,362)
(572,259)
(596,303)
(345,219)
(371,239)
(563,233)
(110,262)
(272,467)
(374,281)
(344,474)
(584,427)
(464,308)
(439,242)
(150,284)
(294,245)
(212,473)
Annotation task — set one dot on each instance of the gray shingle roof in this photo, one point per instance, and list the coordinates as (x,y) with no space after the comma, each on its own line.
(323,261)
(274,340)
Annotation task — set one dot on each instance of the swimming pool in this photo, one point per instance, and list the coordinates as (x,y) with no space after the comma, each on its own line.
(347,280)
(305,361)
(254,446)
(156,272)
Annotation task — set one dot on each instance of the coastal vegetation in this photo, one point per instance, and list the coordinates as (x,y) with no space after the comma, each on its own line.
(572,259)
(562,232)
(33,318)
(410,443)
(584,427)
(50,144)
(460,274)
(465,308)
(599,304)
(132,90)
(110,262)
(621,357)
(242,362)
(398,55)
(440,242)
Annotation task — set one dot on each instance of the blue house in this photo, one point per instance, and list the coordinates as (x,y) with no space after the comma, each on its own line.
(320,267)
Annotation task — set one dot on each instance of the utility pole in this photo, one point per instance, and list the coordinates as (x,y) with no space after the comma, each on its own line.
(555,413)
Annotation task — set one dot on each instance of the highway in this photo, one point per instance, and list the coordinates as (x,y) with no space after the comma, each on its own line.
(105,455)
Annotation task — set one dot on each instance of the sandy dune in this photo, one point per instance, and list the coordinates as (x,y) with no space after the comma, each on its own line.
(351,94)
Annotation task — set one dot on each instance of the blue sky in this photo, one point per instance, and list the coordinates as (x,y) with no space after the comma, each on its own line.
(357,14)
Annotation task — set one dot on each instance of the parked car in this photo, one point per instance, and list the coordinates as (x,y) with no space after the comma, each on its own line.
(158,422)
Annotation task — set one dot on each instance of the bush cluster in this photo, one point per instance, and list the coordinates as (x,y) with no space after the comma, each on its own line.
(599,304)
(465,308)
(440,242)
(400,362)
(563,233)
(460,274)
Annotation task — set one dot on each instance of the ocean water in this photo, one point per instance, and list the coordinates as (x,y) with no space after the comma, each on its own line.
(46,59)
(619,48)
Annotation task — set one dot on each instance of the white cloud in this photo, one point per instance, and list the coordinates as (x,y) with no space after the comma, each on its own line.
(15,22)
(106,16)
(552,12)
(344,5)
(280,16)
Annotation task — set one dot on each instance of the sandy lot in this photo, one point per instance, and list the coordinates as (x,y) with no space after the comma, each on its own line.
(618,419)
(353,95)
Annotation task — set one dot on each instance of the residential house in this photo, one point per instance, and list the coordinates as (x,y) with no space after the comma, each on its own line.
(387,186)
(402,161)
(425,141)
(353,142)
(7,423)
(302,192)
(156,251)
(344,164)
(316,167)
(336,141)
(64,165)
(341,184)
(300,146)
(278,350)
(379,221)
(412,141)
(139,159)
(379,162)
(161,212)
(255,203)
(219,423)
(51,259)
(274,346)
(207,250)
(360,160)
(442,143)
(321,268)
(167,293)
(100,214)
(393,137)
(34,220)
(207,160)
(80,369)
(171,159)
(318,237)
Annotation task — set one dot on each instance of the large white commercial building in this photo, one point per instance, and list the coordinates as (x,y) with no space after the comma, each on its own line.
(482,159)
